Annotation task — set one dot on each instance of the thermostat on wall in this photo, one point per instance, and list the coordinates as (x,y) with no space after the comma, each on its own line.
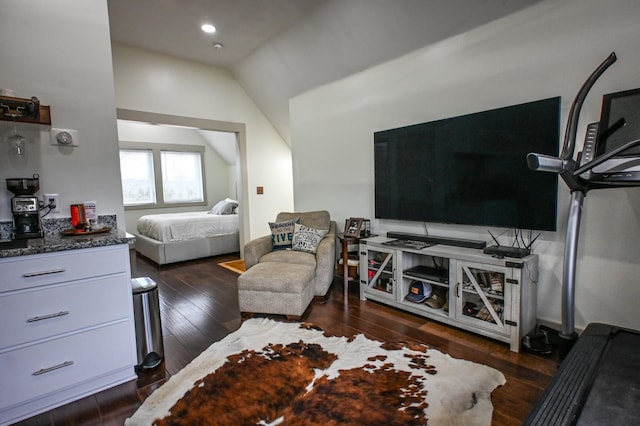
(64,137)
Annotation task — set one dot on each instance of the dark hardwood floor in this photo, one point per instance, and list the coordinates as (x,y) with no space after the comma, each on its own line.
(199,306)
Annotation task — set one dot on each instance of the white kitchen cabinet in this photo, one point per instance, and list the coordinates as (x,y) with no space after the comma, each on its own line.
(494,297)
(66,328)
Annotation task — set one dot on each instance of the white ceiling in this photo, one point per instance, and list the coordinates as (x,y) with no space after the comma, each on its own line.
(278,49)
(173,26)
(224,143)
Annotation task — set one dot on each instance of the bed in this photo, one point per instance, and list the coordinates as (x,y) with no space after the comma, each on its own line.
(176,237)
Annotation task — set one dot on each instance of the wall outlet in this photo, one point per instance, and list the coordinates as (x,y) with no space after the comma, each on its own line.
(52,199)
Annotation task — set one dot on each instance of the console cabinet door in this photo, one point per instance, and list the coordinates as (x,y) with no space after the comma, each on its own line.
(484,297)
(378,278)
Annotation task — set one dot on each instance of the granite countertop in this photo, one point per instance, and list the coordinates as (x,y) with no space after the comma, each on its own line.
(58,242)
(54,240)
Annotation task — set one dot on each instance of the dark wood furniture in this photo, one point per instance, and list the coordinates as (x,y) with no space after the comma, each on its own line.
(345,242)
(24,110)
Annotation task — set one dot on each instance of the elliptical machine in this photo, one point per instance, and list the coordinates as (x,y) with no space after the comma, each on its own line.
(580,177)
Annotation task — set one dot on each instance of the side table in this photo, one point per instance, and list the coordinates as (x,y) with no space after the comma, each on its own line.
(346,241)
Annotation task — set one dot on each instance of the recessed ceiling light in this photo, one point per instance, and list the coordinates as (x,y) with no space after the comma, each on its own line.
(218,45)
(208,28)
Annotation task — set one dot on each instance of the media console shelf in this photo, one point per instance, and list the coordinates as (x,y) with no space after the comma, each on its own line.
(490,296)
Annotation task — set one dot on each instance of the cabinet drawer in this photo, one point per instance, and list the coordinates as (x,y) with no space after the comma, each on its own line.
(43,269)
(47,311)
(41,369)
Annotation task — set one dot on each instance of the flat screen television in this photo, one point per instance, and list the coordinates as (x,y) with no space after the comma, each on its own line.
(471,169)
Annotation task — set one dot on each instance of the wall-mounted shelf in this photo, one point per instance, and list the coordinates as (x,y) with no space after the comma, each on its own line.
(22,110)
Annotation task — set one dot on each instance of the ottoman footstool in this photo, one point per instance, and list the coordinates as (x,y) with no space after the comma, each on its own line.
(276,288)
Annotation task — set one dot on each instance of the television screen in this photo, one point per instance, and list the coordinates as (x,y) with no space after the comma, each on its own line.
(471,169)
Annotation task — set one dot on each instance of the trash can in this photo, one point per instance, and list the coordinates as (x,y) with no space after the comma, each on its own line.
(146,312)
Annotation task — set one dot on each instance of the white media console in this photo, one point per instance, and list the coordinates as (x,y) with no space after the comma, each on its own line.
(487,295)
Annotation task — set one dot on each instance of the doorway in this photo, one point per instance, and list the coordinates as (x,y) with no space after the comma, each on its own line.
(207,129)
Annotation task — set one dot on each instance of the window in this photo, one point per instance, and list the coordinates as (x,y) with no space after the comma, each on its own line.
(181,177)
(160,175)
(136,169)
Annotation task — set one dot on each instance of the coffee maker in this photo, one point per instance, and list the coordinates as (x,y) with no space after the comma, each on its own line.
(25,207)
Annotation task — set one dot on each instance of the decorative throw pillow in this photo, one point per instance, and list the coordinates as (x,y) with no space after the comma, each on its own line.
(282,233)
(226,206)
(306,238)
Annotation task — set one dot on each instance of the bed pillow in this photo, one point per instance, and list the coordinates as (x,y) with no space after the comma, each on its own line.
(226,206)
(282,233)
(306,238)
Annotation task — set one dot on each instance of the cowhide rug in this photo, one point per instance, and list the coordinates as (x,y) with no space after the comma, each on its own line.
(272,373)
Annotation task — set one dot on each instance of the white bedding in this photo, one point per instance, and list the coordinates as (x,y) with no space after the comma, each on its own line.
(187,226)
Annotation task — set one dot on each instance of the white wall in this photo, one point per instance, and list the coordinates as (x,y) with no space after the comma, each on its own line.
(151,82)
(544,51)
(60,52)
(219,176)
(341,37)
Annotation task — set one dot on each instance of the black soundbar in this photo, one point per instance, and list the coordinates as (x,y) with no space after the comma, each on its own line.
(506,251)
(458,242)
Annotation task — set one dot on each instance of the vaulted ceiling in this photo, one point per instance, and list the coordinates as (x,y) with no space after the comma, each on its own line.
(278,49)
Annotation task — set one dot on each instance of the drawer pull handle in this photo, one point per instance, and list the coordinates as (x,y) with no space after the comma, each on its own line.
(55,367)
(36,274)
(44,317)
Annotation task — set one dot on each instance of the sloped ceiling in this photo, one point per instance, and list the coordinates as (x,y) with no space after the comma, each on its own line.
(278,49)
(223,143)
